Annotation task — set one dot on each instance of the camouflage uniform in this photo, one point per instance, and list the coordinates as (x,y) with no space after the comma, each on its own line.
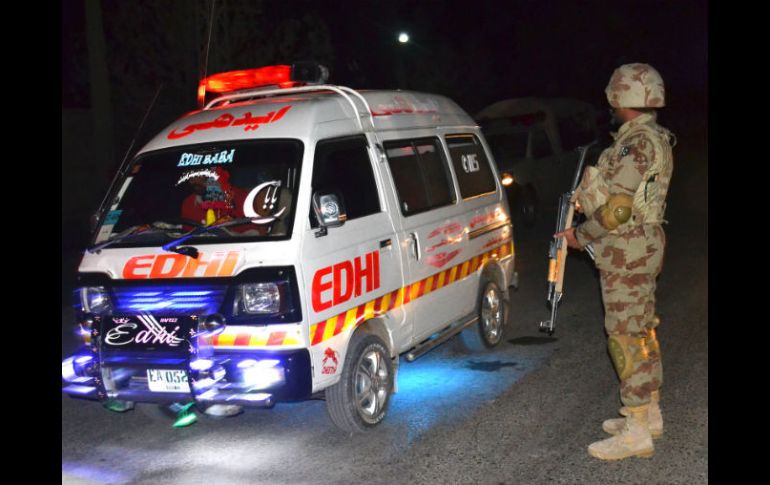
(637,169)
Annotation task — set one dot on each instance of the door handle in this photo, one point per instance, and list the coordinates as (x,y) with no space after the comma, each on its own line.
(415,245)
(386,244)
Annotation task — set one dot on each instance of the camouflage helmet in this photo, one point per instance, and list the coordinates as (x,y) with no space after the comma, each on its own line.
(636,86)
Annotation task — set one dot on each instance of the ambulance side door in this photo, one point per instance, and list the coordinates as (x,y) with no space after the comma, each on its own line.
(431,233)
(351,271)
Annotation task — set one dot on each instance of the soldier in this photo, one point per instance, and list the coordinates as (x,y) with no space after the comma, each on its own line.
(623,198)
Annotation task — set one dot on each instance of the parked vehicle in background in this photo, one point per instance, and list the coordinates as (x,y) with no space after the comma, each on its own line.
(534,139)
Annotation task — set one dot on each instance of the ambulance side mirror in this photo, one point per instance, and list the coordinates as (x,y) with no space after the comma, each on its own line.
(329,209)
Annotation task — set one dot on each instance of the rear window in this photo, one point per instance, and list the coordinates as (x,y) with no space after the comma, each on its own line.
(420,173)
(474,174)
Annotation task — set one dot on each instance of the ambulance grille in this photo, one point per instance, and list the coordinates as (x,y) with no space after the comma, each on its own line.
(169,300)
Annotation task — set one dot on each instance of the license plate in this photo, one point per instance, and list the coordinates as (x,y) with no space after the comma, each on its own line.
(167,380)
(148,333)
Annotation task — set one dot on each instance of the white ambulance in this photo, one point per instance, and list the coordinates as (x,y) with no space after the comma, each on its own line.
(289,240)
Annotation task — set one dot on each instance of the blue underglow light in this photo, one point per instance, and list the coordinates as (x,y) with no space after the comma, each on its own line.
(210,394)
(262,377)
(204,383)
(445,387)
(75,389)
(190,299)
(201,364)
(245,363)
(206,299)
(68,369)
(151,306)
(84,359)
(91,474)
(260,396)
(187,305)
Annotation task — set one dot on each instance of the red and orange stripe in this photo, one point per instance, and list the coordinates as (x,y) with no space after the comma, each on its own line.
(349,319)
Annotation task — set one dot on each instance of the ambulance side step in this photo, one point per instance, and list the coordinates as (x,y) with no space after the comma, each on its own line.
(442,337)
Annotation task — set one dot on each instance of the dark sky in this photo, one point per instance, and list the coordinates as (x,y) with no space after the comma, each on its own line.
(482,51)
(538,47)
(474,52)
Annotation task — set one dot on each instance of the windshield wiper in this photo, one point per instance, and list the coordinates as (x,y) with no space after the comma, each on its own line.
(128,233)
(156,227)
(192,252)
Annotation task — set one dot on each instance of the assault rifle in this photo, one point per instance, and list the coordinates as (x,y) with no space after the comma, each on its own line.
(557,252)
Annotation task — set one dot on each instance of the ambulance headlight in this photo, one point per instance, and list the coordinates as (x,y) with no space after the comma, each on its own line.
(95,299)
(260,298)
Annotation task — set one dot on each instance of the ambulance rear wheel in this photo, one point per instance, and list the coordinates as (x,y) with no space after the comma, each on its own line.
(489,330)
(360,399)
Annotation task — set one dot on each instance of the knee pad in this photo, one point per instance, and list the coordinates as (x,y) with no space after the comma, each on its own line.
(626,352)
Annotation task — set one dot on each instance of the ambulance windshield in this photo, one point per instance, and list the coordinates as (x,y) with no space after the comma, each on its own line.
(176,190)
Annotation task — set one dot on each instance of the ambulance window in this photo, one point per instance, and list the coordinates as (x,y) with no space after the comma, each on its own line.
(420,174)
(474,174)
(343,165)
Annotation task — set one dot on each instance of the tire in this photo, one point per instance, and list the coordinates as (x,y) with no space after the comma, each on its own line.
(493,314)
(357,403)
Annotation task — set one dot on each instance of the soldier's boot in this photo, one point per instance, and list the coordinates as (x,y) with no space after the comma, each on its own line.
(654,418)
(633,440)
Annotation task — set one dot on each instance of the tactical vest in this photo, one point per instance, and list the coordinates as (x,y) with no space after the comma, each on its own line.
(650,197)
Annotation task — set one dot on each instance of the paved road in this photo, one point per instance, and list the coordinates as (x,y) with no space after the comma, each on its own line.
(523,413)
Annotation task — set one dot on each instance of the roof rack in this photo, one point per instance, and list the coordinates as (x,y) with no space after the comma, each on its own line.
(343,91)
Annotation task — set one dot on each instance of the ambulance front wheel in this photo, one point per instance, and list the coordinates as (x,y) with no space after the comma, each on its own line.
(360,399)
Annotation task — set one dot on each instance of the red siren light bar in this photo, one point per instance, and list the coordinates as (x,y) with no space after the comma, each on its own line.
(282,76)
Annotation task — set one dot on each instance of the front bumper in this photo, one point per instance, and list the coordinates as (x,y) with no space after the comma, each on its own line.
(247,378)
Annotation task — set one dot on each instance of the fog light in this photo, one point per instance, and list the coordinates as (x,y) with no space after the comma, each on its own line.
(246,363)
(76,367)
(68,369)
(201,364)
(262,374)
